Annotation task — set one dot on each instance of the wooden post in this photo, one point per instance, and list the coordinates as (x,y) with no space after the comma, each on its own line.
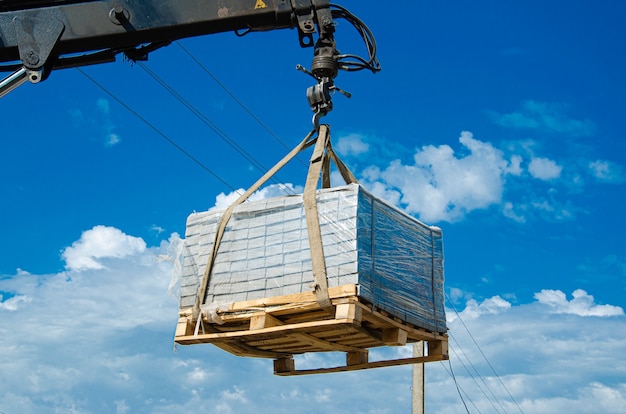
(418,380)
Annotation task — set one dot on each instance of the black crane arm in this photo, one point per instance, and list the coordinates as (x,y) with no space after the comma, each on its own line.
(38,36)
(80,26)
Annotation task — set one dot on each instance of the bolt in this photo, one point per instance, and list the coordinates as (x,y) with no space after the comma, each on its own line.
(119,15)
(32,59)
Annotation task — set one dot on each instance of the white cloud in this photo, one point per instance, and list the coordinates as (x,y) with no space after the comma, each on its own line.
(121,407)
(514,212)
(236,394)
(552,209)
(537,354)
(112,139)
(14,302)
(100,242)
(473,309)
(442,186)
(544,169)
(276,190)
(223,200)
(372,176)
(515,166)
(324,395)
(607,171)
(97,120)
(582,304)
(352,144)
(157,229)
(100,340)
(198,375)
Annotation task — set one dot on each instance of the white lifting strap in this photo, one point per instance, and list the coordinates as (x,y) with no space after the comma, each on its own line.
(320,163)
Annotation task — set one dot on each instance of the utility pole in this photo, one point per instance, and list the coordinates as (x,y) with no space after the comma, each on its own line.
(418,380)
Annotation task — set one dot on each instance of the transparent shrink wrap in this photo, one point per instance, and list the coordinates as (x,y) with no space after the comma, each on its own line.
(395,260)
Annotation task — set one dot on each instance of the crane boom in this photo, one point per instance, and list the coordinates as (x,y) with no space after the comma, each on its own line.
(81,26)
(37,36)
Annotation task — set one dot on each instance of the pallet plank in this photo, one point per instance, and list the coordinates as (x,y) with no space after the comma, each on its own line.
(368,365)
(279,328)
(266,332)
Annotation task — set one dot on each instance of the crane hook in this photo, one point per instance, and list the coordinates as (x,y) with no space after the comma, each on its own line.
(319,95)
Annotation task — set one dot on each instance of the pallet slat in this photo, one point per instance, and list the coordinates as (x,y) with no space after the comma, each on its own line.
(289,370)
(281,327)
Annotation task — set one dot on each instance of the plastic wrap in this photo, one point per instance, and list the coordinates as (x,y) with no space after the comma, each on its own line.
(396,261)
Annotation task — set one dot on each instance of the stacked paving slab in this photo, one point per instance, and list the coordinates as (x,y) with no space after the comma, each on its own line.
(395,260)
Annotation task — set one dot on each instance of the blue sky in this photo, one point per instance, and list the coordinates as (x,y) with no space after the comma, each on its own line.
(501,123)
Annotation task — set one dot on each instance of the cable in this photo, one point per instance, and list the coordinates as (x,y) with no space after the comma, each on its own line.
(458,388)
(158,131)
(238,148)
(232,95)
(483,354)
(203,118)
(467,397)
(238,101)
(352,63)
(347,62)
(482,379)
(476,381)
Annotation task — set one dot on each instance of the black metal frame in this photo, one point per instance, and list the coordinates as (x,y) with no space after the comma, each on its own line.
(80,27)
(38,36)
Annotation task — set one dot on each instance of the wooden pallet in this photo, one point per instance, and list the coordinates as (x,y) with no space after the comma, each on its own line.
(283,326)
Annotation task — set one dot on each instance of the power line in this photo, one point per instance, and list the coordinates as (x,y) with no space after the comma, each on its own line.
(474,379)
(237,100)
(158,131)
(483,354)
(207,121)
(478,374)
(232,95)
(458,388)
